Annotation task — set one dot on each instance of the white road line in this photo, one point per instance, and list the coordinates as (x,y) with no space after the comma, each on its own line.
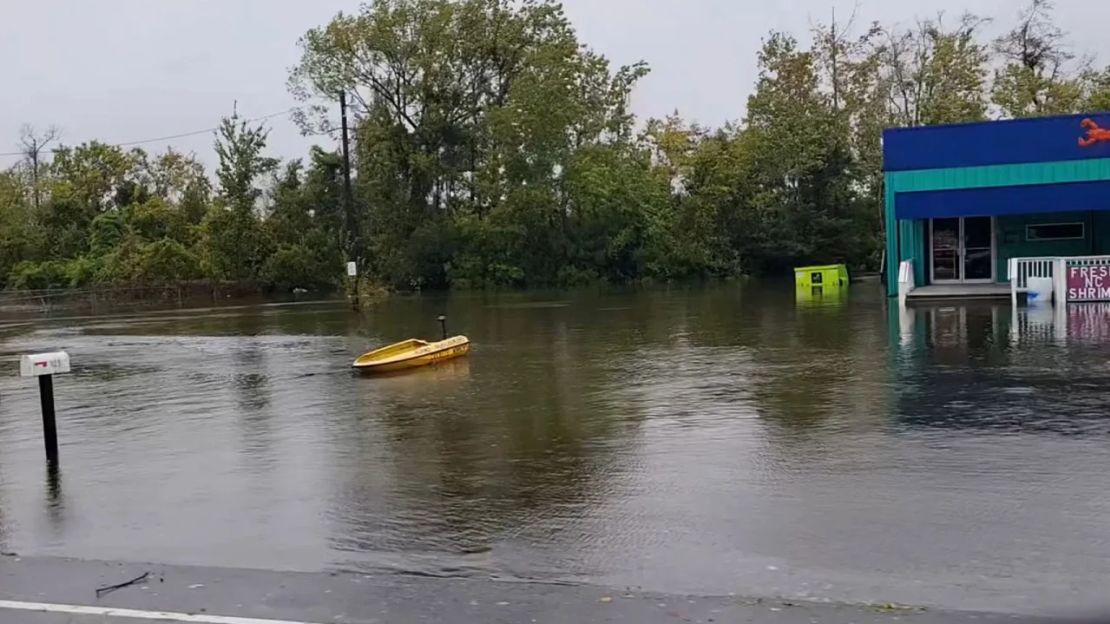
(199,618)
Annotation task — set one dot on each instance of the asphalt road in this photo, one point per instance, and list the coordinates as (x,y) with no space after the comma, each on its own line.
(50,591)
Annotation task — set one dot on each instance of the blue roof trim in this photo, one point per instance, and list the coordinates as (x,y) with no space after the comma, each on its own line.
(1004,200)
(1016,141)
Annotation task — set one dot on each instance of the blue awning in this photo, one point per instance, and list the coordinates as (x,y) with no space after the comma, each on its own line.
(1004,200)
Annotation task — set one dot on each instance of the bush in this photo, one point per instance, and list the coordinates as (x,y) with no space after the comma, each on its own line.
(83,271)
(570,276)
(160,262)
(119,266)
(485,256)
(29,275)
(155,220)
(296,266)
(234,244)
(107,232)
(166,261)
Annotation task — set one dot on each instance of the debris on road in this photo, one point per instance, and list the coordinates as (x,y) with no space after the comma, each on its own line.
(100,591)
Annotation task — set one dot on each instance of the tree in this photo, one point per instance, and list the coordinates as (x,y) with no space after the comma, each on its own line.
(801,199)
(234,242)
(85,181)
(1096,90)
(493,148)
(33,145)
(306,225)
(239,149)
(98,176)
(20,239)
(181,180)
(106,232)
(468,109)
(157,219)
(1036,78)
(166,262)
(851,67)
(672,143)
(936,74)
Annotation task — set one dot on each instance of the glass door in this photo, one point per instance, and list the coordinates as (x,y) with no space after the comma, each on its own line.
(946,237)
(962,250)
(978,251)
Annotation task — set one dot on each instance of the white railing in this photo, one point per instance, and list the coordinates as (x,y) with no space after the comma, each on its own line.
(905,280)
(1021,270)
(1088,261)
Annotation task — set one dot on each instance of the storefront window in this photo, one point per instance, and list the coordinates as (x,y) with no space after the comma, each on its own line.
(1054,231)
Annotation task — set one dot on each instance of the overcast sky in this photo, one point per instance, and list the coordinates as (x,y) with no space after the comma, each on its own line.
(124,70)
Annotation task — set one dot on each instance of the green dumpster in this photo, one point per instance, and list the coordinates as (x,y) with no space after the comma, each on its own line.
(832,276)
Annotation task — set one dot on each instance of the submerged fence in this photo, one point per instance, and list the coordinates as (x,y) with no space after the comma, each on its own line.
(1021,270)
(129,297)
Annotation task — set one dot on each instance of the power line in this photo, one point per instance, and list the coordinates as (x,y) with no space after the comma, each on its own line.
(173,136)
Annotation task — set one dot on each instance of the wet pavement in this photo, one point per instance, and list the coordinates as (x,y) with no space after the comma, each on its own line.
(38,591)
(713,441)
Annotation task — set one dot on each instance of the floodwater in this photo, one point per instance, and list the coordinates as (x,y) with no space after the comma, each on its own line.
(708,440)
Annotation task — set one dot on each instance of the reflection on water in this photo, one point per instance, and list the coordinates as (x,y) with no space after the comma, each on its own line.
(727,439)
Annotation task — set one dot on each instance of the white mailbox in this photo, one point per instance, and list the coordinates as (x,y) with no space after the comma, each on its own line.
(39,364)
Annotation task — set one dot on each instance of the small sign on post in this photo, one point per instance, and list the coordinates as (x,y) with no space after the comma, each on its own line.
(45,366)
(352,279)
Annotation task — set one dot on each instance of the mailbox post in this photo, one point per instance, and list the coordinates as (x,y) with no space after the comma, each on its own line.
(45,366)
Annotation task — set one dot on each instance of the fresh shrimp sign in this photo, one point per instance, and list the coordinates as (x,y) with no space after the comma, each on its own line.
(1089,283)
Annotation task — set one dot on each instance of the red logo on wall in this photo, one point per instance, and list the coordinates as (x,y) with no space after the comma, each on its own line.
(1095,134)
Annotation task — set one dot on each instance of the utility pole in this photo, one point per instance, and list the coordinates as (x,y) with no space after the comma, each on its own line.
(353,247)
(348,204)
(834,46)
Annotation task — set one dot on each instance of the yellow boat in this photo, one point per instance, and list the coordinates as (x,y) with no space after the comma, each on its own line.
(411,354)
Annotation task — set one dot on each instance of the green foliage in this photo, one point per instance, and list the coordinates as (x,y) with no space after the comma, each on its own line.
(1022,91)
(20,239)
(84,271)
(96,177)
(1035,79)
(106,232)
(155,219)
(165,261)
(297,266)
(234,244)
(934,73)
(116,218)
(74,273)
(239,148)
(618,214)
(31,275)
(1097,90)
(478,112)
(486,255)
(492,148)
(121,264)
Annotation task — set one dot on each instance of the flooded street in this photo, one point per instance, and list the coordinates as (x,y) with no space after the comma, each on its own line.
(702,441)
